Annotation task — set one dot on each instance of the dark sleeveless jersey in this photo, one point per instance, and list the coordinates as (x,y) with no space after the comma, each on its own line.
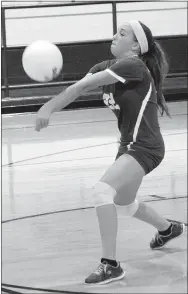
(134,102)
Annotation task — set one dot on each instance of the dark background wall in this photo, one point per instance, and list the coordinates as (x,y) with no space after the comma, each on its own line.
(79,58)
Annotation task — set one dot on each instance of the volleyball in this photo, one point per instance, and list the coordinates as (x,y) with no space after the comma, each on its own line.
(42,61)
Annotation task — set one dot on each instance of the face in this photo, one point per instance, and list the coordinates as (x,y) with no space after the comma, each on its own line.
(123,42)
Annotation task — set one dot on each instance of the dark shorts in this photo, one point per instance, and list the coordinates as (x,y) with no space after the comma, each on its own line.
(148,160)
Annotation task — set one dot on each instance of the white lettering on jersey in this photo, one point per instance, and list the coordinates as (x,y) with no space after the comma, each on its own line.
(110,102)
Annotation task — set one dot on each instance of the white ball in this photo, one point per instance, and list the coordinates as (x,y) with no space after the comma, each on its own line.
(42,61)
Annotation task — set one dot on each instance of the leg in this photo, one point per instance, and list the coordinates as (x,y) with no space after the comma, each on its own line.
(125,185)
(149,215)
(117,190)
(112,184)
(108,225)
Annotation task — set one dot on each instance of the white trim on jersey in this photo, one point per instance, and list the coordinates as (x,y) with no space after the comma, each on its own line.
(89,74)
(115,75)
(140,115)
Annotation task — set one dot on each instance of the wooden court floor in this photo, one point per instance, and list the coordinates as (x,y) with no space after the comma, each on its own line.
(50,236)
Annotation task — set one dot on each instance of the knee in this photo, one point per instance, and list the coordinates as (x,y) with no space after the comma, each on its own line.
(103,194)
(127,210)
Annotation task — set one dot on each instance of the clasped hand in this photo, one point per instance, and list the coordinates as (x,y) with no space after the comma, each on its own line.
(43,117)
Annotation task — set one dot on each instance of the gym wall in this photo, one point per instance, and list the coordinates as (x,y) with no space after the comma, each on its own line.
(91,22)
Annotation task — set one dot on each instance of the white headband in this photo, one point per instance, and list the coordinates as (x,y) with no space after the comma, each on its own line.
(140,35)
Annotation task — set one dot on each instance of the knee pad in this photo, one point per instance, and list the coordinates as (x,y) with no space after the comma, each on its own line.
(104,194)
(128,210)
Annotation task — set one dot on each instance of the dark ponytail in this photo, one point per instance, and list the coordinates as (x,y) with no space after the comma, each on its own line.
(157,64)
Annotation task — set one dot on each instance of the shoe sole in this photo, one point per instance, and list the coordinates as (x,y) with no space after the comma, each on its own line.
(109,280)
(183,225)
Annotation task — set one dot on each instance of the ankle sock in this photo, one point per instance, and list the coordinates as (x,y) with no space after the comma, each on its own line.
(109,261)
(166,232)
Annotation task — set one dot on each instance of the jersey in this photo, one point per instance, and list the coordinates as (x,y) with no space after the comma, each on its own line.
(133,99)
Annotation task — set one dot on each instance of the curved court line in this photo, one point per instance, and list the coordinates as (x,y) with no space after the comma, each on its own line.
(10,291)
(83,208)
(44,290)
(77,159)
(46,213)
(66,151)
(60,152)
(48,290)
(66,160)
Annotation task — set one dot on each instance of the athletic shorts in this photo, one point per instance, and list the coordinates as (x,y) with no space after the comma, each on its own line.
(145,158)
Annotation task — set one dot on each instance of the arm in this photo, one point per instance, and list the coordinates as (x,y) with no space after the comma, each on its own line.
(70,94)
(123,72)
(87,84)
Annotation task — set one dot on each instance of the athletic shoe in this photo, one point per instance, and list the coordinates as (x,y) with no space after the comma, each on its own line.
(159,240)
(105,273)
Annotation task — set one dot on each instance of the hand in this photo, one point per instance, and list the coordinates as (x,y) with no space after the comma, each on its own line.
(43,117)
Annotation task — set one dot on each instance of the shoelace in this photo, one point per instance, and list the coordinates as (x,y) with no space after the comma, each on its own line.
(101,268)
(159,240)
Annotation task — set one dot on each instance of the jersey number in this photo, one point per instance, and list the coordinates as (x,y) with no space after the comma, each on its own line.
(110,102)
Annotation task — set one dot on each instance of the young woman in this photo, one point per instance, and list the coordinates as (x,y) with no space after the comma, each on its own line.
(132,86)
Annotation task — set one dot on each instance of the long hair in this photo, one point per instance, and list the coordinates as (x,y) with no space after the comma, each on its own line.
(157,64)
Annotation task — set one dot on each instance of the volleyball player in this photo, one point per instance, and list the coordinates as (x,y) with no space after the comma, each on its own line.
(132,86)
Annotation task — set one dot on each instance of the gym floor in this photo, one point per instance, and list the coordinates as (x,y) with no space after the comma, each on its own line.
(50,235)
